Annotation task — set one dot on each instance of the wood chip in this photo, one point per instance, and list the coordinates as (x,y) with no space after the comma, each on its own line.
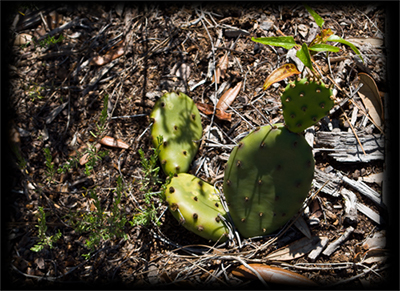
(370,213)
(336,244)
(330,188)
(318,249)
(350,205)
(365,190)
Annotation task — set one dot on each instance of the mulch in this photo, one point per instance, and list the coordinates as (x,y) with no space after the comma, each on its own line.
(134,53)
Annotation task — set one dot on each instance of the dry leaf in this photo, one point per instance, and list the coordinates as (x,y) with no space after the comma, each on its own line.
(279,74)
(295,250)
(108,57)
(205,108)
(375,256)
(220,70)
(273,275)
(377,241)
(360,41)
(209,110)
(22,39)
(370,96)
(114,142)
(228,97)
(84,159)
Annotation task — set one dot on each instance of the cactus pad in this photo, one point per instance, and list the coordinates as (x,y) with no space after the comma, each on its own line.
(267,178)
(177,119)
(195,204)
(305,102)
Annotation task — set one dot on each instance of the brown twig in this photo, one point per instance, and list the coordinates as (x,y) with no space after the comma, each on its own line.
(352,128)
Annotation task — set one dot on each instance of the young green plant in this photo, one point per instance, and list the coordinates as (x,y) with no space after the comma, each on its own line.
(100,225)
(44,240)
(304,51)
(150,179)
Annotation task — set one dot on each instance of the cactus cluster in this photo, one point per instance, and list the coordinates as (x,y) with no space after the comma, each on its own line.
(268,174)
(176,118)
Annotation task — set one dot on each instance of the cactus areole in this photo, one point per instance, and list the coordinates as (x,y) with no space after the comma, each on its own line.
(177,119)
(196,205)
(305,102)
(267,178)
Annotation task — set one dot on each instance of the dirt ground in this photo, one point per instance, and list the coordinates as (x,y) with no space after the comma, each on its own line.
(134,53)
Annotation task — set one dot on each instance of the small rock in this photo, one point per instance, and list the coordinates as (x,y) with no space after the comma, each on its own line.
(266,25)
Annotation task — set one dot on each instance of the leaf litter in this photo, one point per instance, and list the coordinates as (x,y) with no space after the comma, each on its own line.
(134,75)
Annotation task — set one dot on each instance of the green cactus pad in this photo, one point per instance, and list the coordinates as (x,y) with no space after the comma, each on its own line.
(305,102)
(267,178)
(195,204)
(177,119)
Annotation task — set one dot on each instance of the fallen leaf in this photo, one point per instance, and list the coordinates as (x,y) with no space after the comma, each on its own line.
(377,241)
(279,74)
(108,57)
(209,110)
(205,108)
(53,114)
(360,41)
(114,142)
(371,98)
(220,70)
(22,39)
(84,159)
(273,275)
(228,97)
(375,256)
(295,250)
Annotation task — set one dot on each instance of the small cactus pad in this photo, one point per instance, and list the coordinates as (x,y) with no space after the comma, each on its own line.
(305,102)
(195,204)
(177,119)
(267,178)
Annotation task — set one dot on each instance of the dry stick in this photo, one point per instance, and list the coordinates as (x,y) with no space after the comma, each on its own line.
(215,82)
(352,128)
(334,245)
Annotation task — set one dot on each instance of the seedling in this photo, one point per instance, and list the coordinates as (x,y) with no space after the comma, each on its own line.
(149,181)
(99,224)
(50,171)
(304,51)
(44,240)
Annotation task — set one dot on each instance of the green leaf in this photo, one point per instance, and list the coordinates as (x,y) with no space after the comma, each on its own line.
(304,55)
(286,42)
(324,48)
(318,19)
(336,38)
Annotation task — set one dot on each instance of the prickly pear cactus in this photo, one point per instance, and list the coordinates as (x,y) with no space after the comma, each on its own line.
(177,119)
(305,102)
(267,178)
(195,204)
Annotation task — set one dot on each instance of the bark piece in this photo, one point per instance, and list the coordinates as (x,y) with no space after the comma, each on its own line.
(332,187)
(343,146)
(315,252)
